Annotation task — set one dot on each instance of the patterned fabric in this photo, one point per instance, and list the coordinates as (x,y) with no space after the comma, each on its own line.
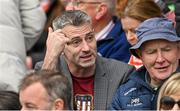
(83,93)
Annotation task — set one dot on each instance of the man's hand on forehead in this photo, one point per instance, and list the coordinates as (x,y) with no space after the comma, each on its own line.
(62,35)
(56,42)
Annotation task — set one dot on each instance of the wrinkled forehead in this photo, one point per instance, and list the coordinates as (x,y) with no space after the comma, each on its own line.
(74,31)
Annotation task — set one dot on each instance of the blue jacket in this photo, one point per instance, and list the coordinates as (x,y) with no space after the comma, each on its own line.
(135,94)
(115,45)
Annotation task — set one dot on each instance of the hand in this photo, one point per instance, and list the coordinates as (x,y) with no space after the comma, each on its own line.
(56,42)
(55,45)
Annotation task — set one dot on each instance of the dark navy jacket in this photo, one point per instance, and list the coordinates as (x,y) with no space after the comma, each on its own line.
(135,94)
(115,45)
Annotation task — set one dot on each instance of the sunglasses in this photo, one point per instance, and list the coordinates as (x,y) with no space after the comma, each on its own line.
(167,103)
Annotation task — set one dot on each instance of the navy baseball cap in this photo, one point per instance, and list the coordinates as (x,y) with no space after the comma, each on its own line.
(153,29)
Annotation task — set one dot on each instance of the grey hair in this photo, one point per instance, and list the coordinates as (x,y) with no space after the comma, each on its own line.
(56,84)
(111,5)
(71,17)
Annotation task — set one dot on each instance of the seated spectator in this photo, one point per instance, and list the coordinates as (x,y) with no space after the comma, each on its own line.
(169,94)
(71,48)
(158,48)
(133,14)
(111,39)
(9,100)
(45,90)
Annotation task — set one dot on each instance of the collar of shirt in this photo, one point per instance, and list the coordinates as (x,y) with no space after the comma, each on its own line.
(105,31)
(148,81)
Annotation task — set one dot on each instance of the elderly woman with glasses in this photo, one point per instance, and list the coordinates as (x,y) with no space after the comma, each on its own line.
(159,51)
(169,95)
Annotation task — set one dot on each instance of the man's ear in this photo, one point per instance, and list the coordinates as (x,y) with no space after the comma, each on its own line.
(59,104)
(102,9)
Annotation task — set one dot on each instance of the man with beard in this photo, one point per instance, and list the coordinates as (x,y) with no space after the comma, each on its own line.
(71,48)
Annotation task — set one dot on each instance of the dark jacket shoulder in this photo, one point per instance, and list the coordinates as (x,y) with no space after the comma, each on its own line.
(116,68)
(135,94)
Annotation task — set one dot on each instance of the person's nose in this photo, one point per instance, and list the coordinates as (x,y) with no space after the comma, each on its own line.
(176,107)
(128,34)
(160,57)
(85,46)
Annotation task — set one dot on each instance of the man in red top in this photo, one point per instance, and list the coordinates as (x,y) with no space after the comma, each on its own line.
(71,47)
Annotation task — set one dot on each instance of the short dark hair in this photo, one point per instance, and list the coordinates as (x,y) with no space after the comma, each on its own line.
(55,83)
(9,100)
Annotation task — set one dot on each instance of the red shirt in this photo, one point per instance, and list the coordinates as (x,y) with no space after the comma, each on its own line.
(83,93)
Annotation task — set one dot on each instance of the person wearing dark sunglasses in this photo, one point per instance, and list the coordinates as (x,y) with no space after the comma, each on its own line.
(169,96)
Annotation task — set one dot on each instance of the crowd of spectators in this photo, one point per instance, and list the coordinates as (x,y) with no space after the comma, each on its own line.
(89,55)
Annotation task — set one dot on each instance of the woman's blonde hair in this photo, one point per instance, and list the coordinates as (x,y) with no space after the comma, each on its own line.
(141,10)
(170,87)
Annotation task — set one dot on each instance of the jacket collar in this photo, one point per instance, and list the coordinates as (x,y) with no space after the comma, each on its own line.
(116,30)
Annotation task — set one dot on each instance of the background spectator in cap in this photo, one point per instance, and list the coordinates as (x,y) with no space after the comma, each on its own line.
(9,100)
(169,96)
(45,90)
(135,12)
(159,51)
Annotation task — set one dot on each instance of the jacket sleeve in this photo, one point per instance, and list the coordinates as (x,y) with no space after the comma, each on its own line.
(177,13)
(116,101)
(33,20)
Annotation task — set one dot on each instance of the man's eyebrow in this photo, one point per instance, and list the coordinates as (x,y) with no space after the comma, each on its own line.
(89,33)
(74,38)
(77,37)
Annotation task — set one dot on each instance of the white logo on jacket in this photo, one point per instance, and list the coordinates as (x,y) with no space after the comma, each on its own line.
(129,91)
(134,102)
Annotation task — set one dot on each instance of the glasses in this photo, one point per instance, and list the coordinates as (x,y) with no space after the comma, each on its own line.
(167,103)
(77,41)
(77,3)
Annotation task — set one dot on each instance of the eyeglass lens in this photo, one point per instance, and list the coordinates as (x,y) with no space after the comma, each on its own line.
(168,103)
